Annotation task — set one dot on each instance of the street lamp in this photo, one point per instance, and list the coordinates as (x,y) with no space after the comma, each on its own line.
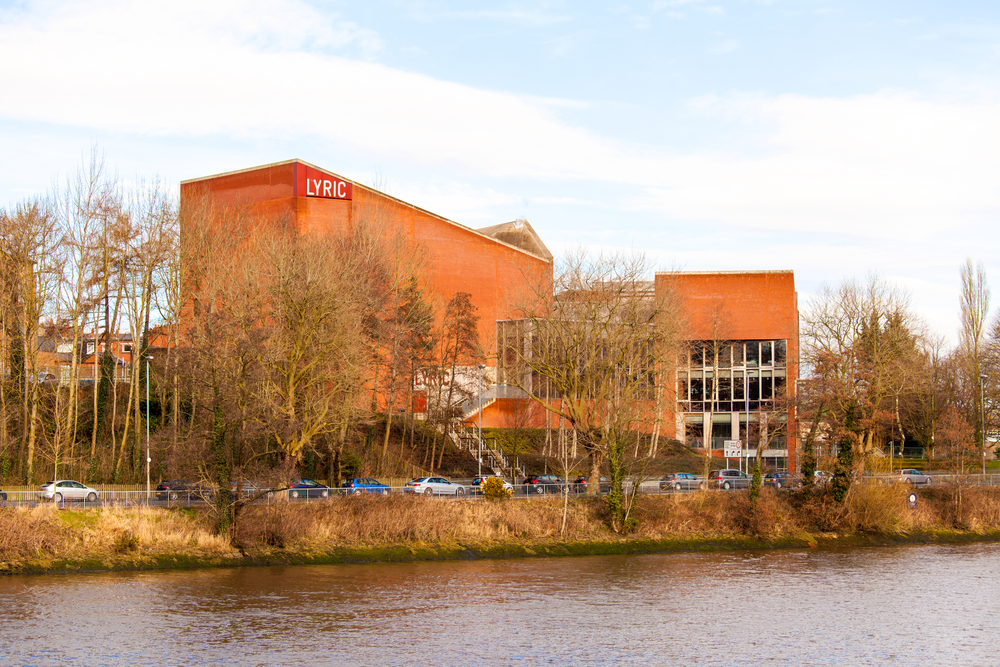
(982,403)
(480,457)
(148,460)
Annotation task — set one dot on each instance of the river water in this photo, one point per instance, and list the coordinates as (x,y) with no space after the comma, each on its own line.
(928,605)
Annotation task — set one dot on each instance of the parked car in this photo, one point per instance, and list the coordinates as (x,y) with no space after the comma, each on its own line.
(779,480)
(246,488)
(364,485)
(66,489)
(542,484)
(3,495)
(580,484)
(728,478)
(476,488)
(681,481)
(181,489)
(306,488)
(914,476)
(438,486)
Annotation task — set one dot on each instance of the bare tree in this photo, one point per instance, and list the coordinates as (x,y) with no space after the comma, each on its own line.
(603,340)
(858,340)
(927,398)
(972,342)
(29,243)
(79,206)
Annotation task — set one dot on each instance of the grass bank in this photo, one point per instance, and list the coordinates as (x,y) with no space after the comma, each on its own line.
(402,528)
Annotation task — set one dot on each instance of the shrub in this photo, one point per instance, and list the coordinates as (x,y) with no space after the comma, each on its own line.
(126,543)
(274,525)
(495,489)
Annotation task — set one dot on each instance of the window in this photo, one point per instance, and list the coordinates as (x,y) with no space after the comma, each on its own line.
(127,347)
(739,389)
(694,430)
(725,355)
(725,388)
(722,430)
(780,352)
(738,356)
(697,389)
(753,353)
(766,354)
(766,392)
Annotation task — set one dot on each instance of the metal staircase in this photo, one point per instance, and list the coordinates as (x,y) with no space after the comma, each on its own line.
(467,438)
(492,458)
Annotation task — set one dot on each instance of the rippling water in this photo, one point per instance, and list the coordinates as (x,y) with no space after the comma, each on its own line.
(928,605)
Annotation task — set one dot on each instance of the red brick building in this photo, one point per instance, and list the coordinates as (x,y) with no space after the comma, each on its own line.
(742,362)
(737,371)
(743,326)
(493,264)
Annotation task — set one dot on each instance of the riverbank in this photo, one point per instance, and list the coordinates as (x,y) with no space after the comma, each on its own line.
(399,528)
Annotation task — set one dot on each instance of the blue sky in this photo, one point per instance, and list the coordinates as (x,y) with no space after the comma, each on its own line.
(834,138)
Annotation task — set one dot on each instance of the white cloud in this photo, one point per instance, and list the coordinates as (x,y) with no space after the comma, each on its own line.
(876,166)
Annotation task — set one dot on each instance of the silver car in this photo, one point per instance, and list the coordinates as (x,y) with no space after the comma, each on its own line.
(681,481)
(66,489)
(914,476)
(438,486)
(728,479)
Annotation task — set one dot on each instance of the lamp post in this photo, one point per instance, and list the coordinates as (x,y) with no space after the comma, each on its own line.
(982,403)
(148,460)
(480,457)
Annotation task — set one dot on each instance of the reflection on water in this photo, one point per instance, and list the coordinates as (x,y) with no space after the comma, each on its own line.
(934,605)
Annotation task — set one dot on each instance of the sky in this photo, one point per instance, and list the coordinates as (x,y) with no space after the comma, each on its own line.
(835,138)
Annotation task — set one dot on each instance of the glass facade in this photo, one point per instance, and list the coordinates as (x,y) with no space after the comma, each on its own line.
(727,384)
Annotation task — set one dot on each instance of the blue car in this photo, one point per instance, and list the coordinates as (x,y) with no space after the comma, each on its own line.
(306,488)
(364,485)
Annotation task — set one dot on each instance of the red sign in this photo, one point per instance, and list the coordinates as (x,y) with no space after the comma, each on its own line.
(311,182)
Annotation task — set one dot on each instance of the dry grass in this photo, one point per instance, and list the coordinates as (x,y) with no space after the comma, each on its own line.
(31,533)
(47,533)
(376,520)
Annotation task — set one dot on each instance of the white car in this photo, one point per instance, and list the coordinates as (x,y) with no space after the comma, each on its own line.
(913,476)
(66,489)
(438,486)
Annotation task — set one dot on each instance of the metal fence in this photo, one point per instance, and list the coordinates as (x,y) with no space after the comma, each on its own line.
(137,495)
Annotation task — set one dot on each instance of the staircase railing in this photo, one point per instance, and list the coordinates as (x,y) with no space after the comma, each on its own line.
(467,439)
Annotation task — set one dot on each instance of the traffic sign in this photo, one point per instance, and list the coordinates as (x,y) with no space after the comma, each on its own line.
(732,449)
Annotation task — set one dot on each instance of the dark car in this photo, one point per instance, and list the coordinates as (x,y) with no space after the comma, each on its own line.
(580,484)
(364,485)
(779,480)
(542,484)
(181,489)
(728,479)
(306,488)
(3,495)
(681,481)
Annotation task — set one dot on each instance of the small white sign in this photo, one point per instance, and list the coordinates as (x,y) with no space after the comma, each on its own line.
(732,449)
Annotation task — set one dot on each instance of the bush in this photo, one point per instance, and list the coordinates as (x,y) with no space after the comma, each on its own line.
(273,525)
(126,543)
(495,489)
